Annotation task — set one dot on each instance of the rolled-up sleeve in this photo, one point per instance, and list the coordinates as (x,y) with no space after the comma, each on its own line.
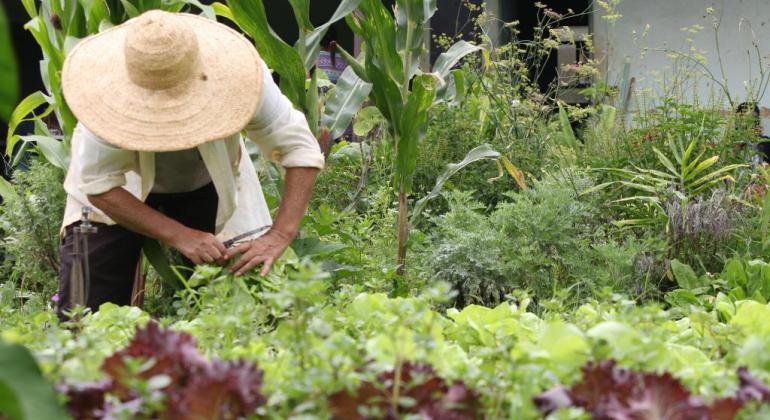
(282,132)
(102,166)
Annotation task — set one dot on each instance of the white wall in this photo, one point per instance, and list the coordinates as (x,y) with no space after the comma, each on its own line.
(743,23)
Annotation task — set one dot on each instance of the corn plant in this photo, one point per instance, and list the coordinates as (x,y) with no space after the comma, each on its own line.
(295,63)
(404,94)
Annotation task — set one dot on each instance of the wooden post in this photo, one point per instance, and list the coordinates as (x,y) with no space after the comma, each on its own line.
(137,292)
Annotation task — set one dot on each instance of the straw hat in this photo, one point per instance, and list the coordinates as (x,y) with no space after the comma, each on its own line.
(163,82)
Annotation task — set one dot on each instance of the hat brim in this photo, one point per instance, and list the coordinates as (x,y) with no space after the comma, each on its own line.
(215,104)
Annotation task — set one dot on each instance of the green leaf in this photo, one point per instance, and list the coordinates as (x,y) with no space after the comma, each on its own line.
(446,61)
(221,9)
(131,10)
(751,317)
(29,6)
(301,10)
(311,102)
(684,275)
(345,100)
(56,152)
(386,94)
(735,274)
(482,152)
(376,27)
(514,172)
(19,115)
(9,73)
(24,393)
(7,190)
(410,128)
(251,18)
(355,64)
(458,87)
(566,346)
(713,175)
(313,39)
(621,338)
(154,253)
(700,167)
(686,157)
(599,187)
(412,22)
(666,162)
(366,120)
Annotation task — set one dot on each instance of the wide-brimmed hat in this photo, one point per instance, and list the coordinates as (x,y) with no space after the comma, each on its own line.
(163,82)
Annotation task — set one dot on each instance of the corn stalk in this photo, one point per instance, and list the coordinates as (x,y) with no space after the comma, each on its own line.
(404,95)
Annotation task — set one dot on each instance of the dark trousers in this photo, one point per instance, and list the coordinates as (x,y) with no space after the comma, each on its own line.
(113,251)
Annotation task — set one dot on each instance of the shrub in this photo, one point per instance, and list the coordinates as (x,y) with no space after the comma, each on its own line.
(30,220)
(543,239)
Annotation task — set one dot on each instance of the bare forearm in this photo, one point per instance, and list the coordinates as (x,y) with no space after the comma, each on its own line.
(127,211)
(298,187)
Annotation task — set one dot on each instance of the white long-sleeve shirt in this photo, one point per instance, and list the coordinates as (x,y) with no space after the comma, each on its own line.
(280,131)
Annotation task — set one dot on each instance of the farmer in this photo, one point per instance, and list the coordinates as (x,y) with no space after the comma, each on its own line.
(161,101)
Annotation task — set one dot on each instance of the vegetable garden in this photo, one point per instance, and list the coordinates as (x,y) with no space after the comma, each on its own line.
(481,250)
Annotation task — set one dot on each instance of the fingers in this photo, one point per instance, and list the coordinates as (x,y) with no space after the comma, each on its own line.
(238,249)
(214,252)
(246,263)
(220,247)
(266,267)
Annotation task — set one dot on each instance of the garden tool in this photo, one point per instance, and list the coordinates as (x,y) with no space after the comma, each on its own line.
(80,280)
(229,243)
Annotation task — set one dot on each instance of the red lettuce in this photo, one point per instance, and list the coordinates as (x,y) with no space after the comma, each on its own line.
(197,388)
(419,391)
(611,393)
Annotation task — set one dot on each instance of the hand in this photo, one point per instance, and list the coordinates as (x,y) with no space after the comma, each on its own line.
(199,247)
(263,250)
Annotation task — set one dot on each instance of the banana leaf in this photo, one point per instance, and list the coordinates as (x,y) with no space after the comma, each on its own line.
(345,100)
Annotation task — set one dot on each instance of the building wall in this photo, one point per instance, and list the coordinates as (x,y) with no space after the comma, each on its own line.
(745,25)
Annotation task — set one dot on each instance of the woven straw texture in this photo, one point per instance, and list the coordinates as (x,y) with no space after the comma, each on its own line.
(163,82)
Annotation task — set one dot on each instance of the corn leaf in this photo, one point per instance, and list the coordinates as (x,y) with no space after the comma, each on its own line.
(446,61)
(515,172)
(312,41)
(9,73)
(482,152)
(251,18)
(411,18)
(410,128)
(55,151)
(19,115)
